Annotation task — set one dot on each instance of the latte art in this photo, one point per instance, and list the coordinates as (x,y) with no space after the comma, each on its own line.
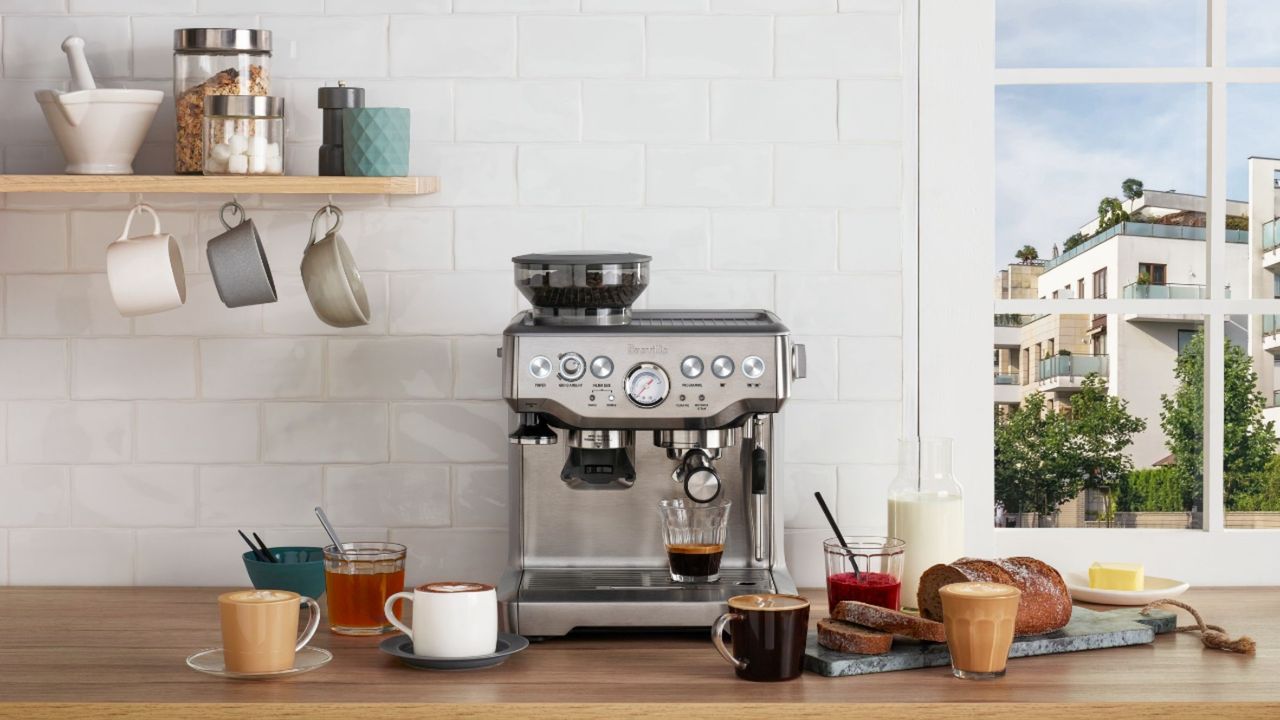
(455,587)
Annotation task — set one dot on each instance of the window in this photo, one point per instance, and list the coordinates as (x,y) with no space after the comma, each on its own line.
(1080,288)
(1152,273)
(1100,283)
(1055,294)
(1184,339)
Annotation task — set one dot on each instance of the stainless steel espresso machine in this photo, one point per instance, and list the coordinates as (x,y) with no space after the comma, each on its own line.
(614,410)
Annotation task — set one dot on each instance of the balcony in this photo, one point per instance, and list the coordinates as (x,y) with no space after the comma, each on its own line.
(1271,333)
(1167,291)
(1270,247)
(1008,329)
(1138,229)
(1067,372)
(1008,388)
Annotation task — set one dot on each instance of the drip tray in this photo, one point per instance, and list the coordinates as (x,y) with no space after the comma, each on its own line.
(637,585)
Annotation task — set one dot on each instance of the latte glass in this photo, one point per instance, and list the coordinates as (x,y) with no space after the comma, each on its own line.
(979,619)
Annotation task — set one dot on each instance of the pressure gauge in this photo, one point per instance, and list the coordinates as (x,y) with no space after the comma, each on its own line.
(647,385)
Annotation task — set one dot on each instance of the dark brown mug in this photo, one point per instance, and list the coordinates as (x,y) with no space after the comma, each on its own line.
(768,636)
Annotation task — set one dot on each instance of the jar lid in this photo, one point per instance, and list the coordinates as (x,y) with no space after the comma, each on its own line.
(221,40)
(244,105)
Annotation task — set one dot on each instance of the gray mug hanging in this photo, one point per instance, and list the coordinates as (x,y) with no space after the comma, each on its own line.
(238,262)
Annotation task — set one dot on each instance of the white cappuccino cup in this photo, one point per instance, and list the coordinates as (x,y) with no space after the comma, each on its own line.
(450,619)
(145,272)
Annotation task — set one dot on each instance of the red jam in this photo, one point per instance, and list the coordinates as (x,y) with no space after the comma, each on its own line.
(872,588)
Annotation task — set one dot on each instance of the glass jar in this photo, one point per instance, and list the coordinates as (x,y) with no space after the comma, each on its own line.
(926,510)
(866,569)
(213,61)
(243,135)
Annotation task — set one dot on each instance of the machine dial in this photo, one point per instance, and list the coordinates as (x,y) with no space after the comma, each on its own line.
(647,385)
(753,366)
(540,367)
(601,366)
(722,366)
(691,367)
(572,367)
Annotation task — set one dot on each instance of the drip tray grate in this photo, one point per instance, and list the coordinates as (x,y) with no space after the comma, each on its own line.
(637,585)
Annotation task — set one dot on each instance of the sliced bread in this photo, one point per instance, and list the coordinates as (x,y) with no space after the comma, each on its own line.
(890,621)
(842,636)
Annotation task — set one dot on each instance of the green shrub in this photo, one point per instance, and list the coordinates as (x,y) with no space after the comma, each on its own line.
(1156,489)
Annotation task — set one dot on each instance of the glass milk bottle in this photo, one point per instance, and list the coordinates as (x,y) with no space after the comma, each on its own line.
(926,510)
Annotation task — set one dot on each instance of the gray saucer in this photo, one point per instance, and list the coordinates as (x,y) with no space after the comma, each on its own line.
(401,647)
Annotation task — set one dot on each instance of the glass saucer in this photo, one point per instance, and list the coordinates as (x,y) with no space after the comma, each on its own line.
(210,661)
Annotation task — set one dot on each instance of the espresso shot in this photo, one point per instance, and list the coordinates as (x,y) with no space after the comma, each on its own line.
(695,562)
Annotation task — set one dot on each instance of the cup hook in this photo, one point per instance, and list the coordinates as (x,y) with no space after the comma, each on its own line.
(236,209)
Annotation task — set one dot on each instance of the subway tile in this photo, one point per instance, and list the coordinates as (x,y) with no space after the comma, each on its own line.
(324,432)
(477,369)
(430,104)
(61,305)
(718,290)
(645,6)
(839,46)
(449,432)
(70,432)
(204,432)
(487,239)
(202,314)
(34,496)
(390,368)
(717,175)
(133,368)
(4,557)
(773,110)
(781,7)
(514,6)
(870,110)
(33,242)
(829,433)
(93,230)
(153,40)
(388,495)
(807,300)
(32,46)
(871,368)
(328,47)
(453,46)
(459,303)
(581,175)
(645,110)
(33,369)
(58,200)
(84,557)
(133,496)
(402,239)
(473,174)
(864,498)
(480,496)
(259,495)
(257,6)
(709,46)
(805,561)
(676,238)
(582,46)
(838,175)
(881,6)
(516,111)
(20,116)
(367,7)
(484,561)
(292,313)
(871,240)
(773,239)
(131,7)
(33,7)
(269,368)
(799,483)
(823,369)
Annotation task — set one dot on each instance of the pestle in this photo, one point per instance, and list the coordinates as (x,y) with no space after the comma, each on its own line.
(81,78)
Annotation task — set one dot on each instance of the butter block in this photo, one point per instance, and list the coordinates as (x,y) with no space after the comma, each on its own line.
(1116,576)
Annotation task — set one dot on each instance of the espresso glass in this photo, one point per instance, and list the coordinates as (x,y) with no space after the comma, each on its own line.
(358,580)
(769,634)
(866,569)
(694,534)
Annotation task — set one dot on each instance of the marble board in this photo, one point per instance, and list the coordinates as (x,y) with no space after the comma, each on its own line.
(1088,630)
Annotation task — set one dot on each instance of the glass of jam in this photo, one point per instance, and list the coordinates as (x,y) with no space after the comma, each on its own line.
(868,569)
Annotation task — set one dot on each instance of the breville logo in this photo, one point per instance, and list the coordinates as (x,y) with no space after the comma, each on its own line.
(654,349)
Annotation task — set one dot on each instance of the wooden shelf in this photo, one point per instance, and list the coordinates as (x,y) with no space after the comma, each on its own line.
(219,184)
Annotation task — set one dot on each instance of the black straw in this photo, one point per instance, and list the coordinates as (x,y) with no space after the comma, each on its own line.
(839,535)
(257,554)
(265,551)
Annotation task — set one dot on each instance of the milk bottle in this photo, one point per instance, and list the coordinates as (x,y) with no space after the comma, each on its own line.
(926,510)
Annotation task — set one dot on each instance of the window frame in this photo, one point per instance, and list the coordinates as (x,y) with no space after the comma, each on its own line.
(955,224)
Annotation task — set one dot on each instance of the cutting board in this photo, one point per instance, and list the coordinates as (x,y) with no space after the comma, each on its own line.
(1088,630)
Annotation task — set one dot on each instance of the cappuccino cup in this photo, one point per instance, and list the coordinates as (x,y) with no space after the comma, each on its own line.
(145,272)
(260,629)
(450,619)
(330,276)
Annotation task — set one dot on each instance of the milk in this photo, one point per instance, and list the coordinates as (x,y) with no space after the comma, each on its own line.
(932,525)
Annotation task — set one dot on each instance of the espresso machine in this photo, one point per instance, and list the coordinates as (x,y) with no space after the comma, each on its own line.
(613,410)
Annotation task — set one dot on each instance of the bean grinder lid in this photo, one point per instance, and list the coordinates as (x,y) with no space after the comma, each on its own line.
(582,288)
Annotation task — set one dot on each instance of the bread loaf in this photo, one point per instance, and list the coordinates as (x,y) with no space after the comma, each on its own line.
(1045,605)
(841,636)
(890,621)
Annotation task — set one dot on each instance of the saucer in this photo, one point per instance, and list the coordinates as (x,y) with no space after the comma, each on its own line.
(210,661)
(401,647)
(1155,588)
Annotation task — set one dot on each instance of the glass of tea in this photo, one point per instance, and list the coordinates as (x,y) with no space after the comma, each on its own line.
(694,534)
(878,564)
(358,580)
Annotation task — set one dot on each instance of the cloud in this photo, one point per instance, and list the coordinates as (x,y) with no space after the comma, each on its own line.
(1100,33)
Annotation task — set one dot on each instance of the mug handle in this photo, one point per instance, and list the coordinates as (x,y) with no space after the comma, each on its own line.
(391,616)
(236,209)
(717,638)
(128,223)
(313,622)
(327,209)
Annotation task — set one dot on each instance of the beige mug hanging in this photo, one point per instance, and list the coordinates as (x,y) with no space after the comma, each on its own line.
(330,276)
(145,272)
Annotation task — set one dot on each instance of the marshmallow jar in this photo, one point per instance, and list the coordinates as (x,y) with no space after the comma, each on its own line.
(245,138)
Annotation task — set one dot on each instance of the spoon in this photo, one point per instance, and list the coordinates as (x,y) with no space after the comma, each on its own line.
(839,535)
(328,528)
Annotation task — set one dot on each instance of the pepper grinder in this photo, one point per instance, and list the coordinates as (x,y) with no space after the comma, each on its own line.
(331,101)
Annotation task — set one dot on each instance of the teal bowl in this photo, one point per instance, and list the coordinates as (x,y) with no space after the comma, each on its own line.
(301,569)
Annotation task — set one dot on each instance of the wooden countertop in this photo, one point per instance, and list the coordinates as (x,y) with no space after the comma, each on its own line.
(117,652)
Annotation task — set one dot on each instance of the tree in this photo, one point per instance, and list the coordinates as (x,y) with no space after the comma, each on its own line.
(1027,255)
(1131,188)
(1101,431)
(1248,440)
(1074,240)
(1111,212)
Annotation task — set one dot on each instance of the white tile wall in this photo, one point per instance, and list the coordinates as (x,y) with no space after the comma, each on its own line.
(753,147)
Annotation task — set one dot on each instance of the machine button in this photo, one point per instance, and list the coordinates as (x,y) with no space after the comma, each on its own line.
(572,367)
(753,366)
(540,367)
(722,366)
(601,366)
(691,367)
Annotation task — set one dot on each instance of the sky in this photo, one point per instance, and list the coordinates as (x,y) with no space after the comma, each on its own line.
(1059,149)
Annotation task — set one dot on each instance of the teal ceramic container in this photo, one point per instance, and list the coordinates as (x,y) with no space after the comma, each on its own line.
(375,141)
(301,569)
